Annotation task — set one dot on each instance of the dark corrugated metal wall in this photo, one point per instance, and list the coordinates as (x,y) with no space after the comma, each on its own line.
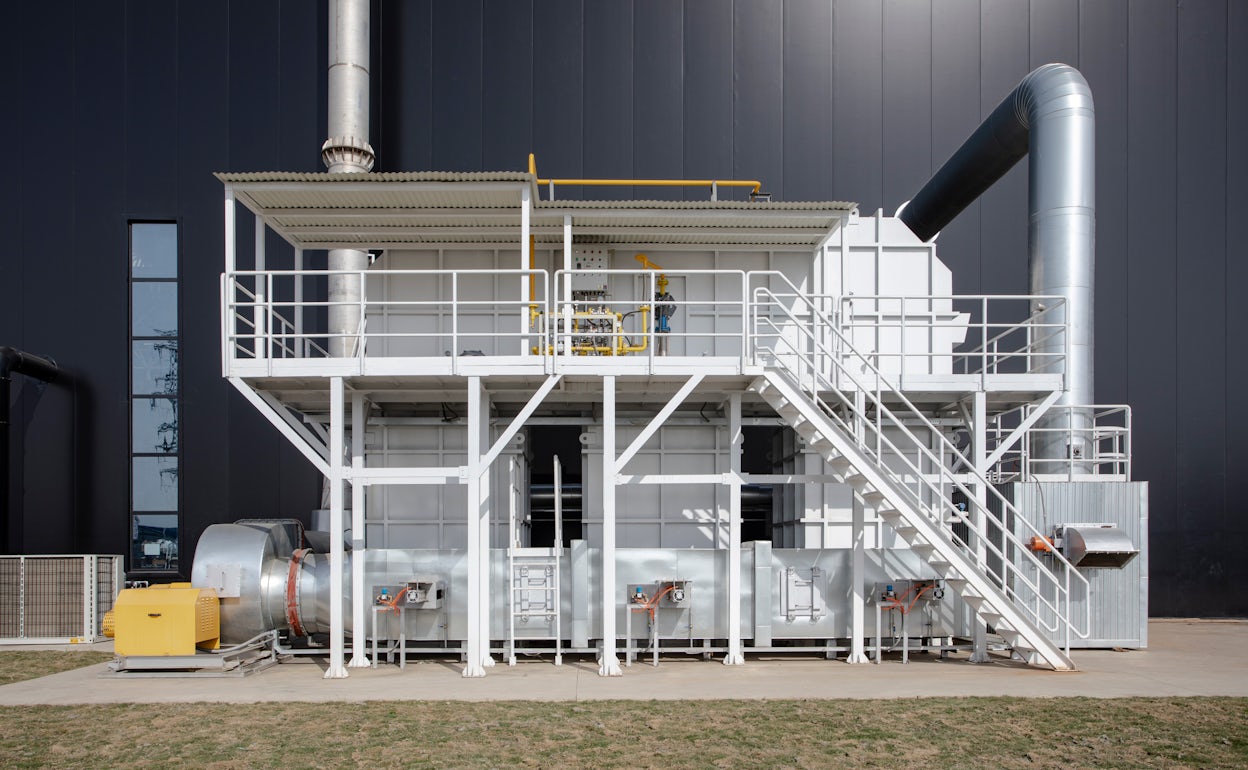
(133,105)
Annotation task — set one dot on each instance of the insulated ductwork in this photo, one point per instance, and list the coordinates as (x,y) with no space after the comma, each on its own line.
(347,151)
(265,579)
(1049,118)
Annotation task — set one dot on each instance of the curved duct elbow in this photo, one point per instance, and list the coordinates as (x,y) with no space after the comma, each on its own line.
(1049,118)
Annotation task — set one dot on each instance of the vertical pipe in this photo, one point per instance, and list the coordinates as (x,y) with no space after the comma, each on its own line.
(13,360)
(347,151)
(5,393)
(610,664)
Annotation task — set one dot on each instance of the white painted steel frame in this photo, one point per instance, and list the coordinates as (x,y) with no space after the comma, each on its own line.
(337,557)
(359,418)
(608,663)
(734,656)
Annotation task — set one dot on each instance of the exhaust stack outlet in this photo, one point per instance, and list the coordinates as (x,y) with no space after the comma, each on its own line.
(347,151)
(1049,118)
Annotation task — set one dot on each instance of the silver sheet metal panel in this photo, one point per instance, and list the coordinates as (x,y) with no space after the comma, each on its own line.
(786,611)
(1118,597)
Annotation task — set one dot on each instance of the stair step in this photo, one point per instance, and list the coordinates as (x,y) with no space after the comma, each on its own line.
(905,531)
(872,497)
(838,463)
(924,549)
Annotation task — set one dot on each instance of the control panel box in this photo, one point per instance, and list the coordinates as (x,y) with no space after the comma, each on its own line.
(674,593)
(589,266)
(419,593)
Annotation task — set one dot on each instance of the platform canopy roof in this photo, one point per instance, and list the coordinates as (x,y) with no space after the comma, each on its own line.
(435,209)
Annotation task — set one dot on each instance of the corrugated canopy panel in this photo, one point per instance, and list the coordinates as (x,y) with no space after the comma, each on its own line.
(428,208)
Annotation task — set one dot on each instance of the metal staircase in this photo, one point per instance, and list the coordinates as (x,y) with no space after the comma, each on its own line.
(839,402)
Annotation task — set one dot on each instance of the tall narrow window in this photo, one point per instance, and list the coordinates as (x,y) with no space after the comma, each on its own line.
(155,499)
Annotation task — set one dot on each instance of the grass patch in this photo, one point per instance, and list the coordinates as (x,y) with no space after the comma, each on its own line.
(19,665)
(933,732)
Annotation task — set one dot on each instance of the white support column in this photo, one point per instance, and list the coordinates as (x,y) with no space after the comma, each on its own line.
(858,577)
(609,665)
(526,260)
(358,635)
(231,245)
(473,664)
(734,657)
(979,457)
(858,563)
(300,344)
(337,634)
(228,291)
(482,481)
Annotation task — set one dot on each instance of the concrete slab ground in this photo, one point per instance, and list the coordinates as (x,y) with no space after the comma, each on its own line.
(1185,658)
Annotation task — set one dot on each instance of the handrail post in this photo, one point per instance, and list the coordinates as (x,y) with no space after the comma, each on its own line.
(268,316)
(745,318)
(359,329)
(455,322)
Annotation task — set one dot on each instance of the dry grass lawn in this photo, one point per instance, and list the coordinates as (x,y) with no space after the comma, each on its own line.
(927,733)
(19,665)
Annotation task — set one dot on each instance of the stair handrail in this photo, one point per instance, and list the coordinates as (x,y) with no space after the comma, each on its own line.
(1062,596)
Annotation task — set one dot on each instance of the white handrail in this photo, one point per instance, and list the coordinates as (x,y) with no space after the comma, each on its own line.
(276,336)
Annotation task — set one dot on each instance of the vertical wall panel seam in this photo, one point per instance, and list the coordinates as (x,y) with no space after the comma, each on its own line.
(1226,246)
(532,107)
(732,108)
(832,111)
(784,44)
(481,89)
(584,96)
(931,90)
(1174,284)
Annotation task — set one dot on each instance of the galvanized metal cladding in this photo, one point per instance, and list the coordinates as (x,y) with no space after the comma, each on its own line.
(787,432)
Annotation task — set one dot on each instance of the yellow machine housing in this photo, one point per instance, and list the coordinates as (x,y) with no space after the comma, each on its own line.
(171,619)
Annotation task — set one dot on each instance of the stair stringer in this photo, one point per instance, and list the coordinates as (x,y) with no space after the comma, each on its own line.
(927,537)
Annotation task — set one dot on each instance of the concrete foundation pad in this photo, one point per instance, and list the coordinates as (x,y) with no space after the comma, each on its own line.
(1186,658)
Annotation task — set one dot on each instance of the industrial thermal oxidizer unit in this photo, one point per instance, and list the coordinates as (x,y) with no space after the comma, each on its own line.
(630,427)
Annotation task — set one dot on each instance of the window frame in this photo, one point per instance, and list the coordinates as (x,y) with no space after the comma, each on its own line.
(134,397)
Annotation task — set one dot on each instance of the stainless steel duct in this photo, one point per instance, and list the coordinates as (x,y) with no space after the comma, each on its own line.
(347,151)
(1049,118)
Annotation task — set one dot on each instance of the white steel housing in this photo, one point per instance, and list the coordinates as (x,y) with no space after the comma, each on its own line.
(486,311)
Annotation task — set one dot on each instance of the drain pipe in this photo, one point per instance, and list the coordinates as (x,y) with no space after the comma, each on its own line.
(347,151)
(1049,118)
(14,361)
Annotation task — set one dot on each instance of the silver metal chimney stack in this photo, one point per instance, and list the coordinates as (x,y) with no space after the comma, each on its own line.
(1049,118)
(347,151)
